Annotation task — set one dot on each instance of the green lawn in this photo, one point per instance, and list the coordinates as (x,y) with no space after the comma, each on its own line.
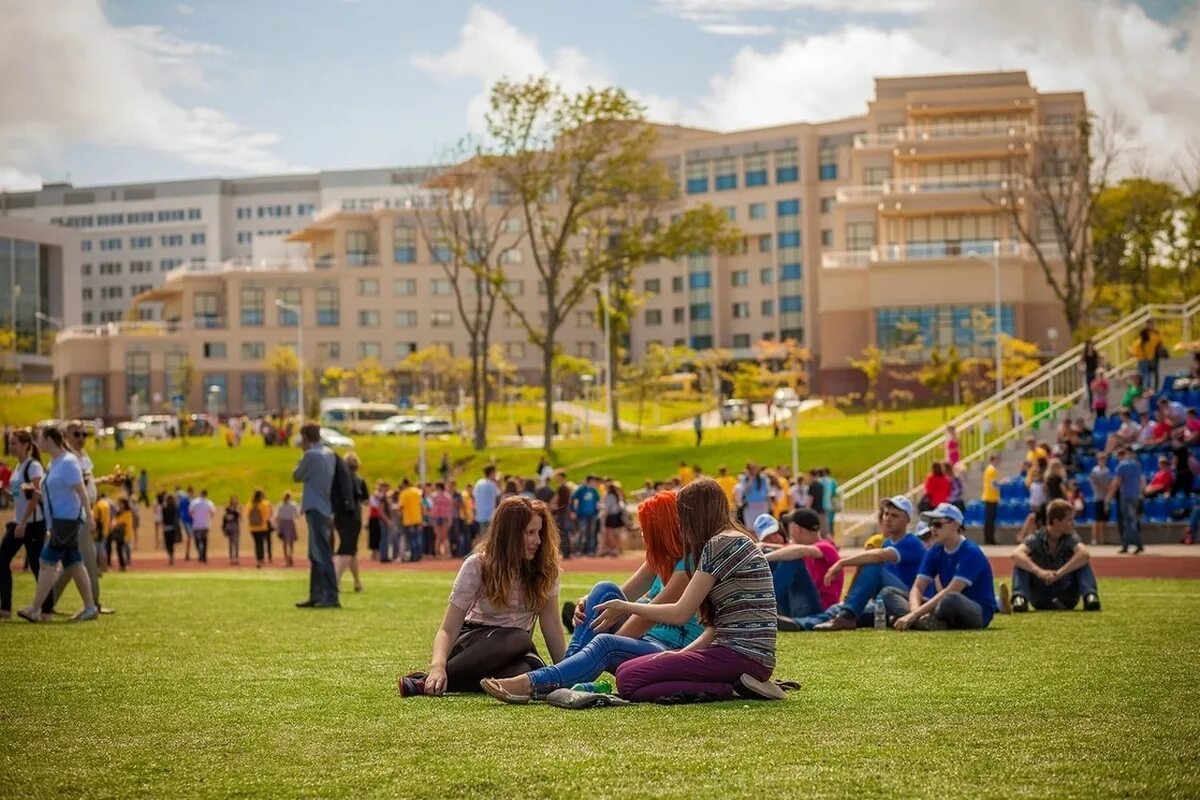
(212,685)
(35,402)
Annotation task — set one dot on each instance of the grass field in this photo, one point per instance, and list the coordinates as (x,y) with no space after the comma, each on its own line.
(212,685)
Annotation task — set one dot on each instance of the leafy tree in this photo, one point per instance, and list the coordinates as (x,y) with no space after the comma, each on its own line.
(1132,237)
(283,363)
(439,375)
(786,361)
(942,374)
(334,381)
(642,377)
(712,366)
(372,379)
(872,366)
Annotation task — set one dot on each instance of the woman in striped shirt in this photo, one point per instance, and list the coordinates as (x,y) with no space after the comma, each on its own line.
(731,588)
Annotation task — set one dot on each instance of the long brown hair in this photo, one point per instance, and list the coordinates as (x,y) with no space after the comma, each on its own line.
(503,554)
(25,437)
(659,519)
(704,513)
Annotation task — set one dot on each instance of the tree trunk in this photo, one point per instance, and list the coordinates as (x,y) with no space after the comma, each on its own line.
(610,387)
(548,389)
(479,395)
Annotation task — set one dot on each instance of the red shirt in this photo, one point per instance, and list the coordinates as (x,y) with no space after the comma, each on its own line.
(5,475)
(937,489)
(817,567)
(1161,480)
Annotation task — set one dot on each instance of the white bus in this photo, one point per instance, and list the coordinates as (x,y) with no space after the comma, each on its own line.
(351,415)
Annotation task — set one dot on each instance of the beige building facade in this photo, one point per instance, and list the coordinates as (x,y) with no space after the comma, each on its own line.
(854,231)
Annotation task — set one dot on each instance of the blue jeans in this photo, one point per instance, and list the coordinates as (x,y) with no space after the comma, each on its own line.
(416,542)
(795,594)
(1146,370)
(590,653)
(1130,527)
(322,580)
(869,582)
(1194,521)
(589,527)
(1062,594)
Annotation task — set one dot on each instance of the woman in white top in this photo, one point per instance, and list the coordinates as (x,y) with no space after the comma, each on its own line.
(69,517)
(511,580)
(28,527)
(75,440)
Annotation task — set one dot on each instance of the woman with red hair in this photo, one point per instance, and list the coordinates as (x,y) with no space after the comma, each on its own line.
(662,578)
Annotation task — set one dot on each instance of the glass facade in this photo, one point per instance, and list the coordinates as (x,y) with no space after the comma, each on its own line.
(913,331)
(24,291)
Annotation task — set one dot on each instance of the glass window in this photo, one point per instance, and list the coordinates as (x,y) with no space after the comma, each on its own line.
(787,208)
(758,211)
(368,318)
(206,310)
(368,287)
(697,177)
(137,377)
(827,205)
(827,163)
(791,303)
(653,286)
(677,283)
(873,176)
(789,239)
(329,351)
(328,307)
(253,307)
(768,308)
(730,213)
(740,277)
(197,238)
(252,351)
(787,166)
(441,286)
(441,319)
(860,235)
(700,311)
(358,247)
(826,237)
(726,174)
(254,392)
(741,341)
(756,169)
(214,350)
(404,286)
(791,272)
(405,319)
(764,243)
(292,298)
(91,396)
(766,275)
(369,350)
(404,243)
(741,310)
(653,316)
(677,314)
(218,400)
(702,342)
(514,350)
(699,280)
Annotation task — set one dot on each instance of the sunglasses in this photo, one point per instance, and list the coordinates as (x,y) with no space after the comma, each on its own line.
(941,523)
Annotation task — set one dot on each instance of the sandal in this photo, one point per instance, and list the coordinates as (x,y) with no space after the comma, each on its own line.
(492,686)
(29,616)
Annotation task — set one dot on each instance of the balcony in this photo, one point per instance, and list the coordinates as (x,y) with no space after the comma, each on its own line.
(847,259)
(974,184)
(241,264)
(361,259)
(849,195)
(931,133)
(875,141)
(935,251)
(115,329)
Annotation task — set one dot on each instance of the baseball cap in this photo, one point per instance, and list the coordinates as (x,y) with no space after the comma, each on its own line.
(923,529)
(944,511)
(902,503)
(804,518)
(765,525)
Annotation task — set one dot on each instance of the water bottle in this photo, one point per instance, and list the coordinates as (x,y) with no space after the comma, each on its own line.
(602,686)
(880,614)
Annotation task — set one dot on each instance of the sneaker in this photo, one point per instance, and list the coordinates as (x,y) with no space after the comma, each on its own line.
(1005,598)
(568,617)
(1140,549)
(86,615)
(306,604)
(412,684)
(787,624)
(1091,602)
(327,604)
(1188,538)
(1019,604)
(839,623)
(930,623)
(748,686)
(1124,549)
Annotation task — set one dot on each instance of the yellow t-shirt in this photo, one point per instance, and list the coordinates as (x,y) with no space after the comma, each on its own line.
(101,511)
(264,509)
(727,484)
(783,500)
(686,475)
(991,493)
(1037,453)
(874,543)
(125,522)
(468,507)
(410,506)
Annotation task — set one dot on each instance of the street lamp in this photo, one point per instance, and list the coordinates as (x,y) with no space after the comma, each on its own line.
(586,380)
(995,310)
(62,389)
(421,408)
(608,371)
(793,406)
(295,309)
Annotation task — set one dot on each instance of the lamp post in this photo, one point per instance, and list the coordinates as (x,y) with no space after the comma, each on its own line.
(608,377)
(421,408)
(995,310)
(793,406)
(62,388)
(586,380)
(295,309)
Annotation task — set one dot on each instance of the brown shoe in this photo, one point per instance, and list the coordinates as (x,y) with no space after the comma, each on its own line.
(839,623)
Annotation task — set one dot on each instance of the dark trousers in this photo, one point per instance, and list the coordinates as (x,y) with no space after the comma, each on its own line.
(483,651)
(322,580)
(31,543)
(416,542)
(115,541)
(989,522)
(201,537)
(1064,593)
(262,540)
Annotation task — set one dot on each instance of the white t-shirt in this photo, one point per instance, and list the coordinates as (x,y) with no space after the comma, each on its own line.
(202,511)
(25,472)
(89,480)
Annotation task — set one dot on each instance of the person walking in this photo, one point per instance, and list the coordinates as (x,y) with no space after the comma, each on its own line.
(487,495)
(27,530)
(75,439)
(66,504)
(1091,365)
(170,525)
(185,520)
(122,527)
(698,427)
(143,482)
(285,522)
(231,526)
(202,512)
(1127,488)
(315,471)
(348,520)
(258,520)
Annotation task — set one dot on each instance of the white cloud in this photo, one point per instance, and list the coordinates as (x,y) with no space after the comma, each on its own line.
(687,9)
(73,76)
(184,8)
(737,29)
(18,180)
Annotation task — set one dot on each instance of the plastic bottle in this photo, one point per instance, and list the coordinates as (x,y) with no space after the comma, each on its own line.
(602,686)
(880,614)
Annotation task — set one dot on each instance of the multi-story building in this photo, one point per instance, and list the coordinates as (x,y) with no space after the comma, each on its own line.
(39,292)
(131,235)
(856,232)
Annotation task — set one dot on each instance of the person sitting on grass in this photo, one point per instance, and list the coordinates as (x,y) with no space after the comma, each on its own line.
(1051,569)
(804,592)
(731,588)
(967,599)
(511,580)
(662,578)
(895,565)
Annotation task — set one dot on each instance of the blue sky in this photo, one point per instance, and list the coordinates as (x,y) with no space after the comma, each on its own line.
(129,90)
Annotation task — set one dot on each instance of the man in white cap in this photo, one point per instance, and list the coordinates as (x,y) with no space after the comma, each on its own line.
(966,599)
(894,565)
(794,566)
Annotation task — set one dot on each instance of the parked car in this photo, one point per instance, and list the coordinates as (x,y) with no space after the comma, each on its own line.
(436,426)
(156,426)
(394,425)
(734,410)
(334,439)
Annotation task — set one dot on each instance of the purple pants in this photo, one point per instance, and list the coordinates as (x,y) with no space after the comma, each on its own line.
(710,672)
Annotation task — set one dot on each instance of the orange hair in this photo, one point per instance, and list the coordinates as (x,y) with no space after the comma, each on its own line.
(659,519)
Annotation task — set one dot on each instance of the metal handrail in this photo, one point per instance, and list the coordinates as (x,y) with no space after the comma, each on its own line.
(1059,383)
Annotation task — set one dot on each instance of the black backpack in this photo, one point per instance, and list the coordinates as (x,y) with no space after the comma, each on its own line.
(341,494)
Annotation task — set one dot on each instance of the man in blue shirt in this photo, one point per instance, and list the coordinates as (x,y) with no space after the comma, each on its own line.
(967,599)
(485,493)
(585,507)
(316,470)
(1127,486)
(893,565)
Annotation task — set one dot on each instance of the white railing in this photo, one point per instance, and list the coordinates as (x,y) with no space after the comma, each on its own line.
(842,259)
(927,133)
(953,183)
(850,194)
(865,140)
(112,329)
(243,264)
(989,426)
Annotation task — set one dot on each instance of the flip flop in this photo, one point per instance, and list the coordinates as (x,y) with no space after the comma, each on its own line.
(25,615)
(493,687)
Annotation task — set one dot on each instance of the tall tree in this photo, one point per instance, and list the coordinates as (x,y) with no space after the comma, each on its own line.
(1050,202)
(642,377)
(1133,233)
(283,362)
(468,227)
(582,172)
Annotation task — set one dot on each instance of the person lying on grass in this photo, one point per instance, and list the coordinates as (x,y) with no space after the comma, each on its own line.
(511,580)
(662,578)
(731,588)
(967,599)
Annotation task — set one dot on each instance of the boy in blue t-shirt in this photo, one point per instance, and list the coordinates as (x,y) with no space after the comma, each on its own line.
(585,505)
(967,599)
